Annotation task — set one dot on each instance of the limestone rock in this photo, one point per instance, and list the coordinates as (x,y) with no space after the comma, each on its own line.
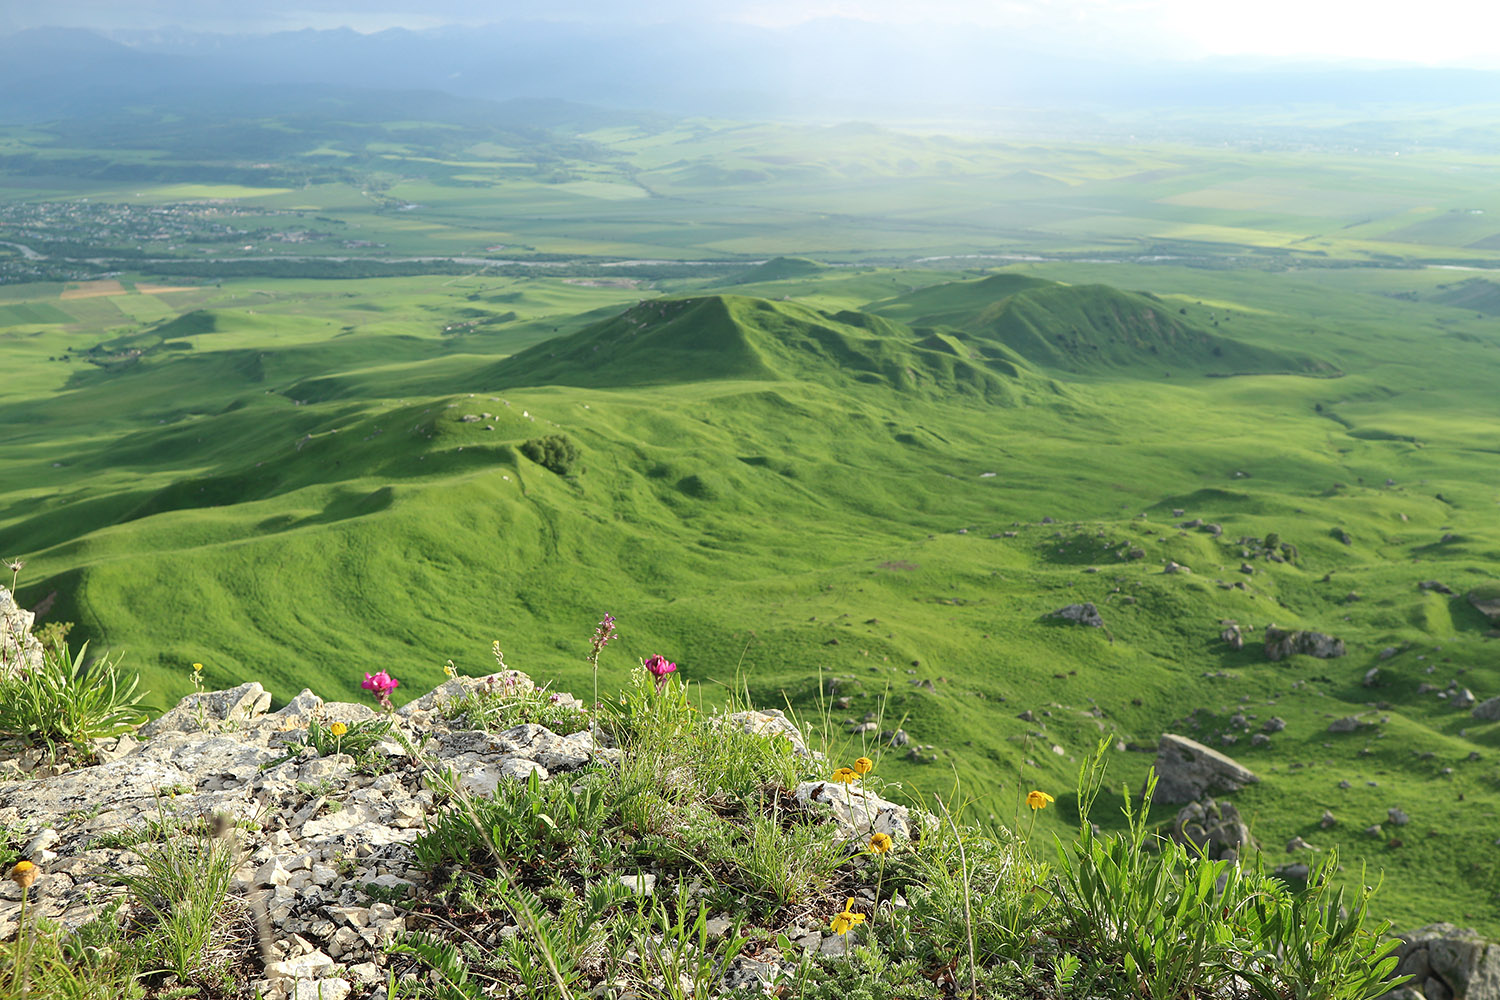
(770,722)
(1347,724)
(1215,827)
(1486,600)
(1081,614)
(1187,770)
(855,811)
(1446,959)
(211,710)
(19,649)
(1281,643)
(1487,710)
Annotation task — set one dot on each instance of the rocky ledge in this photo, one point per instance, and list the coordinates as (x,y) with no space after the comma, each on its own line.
(325,847)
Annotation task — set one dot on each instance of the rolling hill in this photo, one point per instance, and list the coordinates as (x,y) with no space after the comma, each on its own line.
(1091,330)
(853,496)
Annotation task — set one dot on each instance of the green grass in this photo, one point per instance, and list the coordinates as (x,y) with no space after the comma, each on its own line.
(282,503)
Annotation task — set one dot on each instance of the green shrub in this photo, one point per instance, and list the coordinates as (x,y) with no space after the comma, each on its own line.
(555,452)
(63,705)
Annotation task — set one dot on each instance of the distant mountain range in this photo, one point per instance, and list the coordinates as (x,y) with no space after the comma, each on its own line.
(830,67)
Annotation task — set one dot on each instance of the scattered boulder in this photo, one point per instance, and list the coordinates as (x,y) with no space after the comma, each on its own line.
(1080,614)
(1347,724)
(1372,677)
(1328,820)
(1174,567)
(1397,817)
(1234,637)
(1486,601)
(1387,653)
(1282,643)
(1464,699)
(1260,740)
(1187,770)
(1435,587)
(1274,724)
(1487,710)
(1214,827)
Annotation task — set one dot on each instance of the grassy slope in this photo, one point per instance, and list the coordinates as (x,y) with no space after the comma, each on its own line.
(785,524)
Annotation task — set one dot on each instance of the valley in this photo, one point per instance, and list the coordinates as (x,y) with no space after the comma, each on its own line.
(854,411)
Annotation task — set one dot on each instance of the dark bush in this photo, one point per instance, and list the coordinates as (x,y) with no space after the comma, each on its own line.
(556,452)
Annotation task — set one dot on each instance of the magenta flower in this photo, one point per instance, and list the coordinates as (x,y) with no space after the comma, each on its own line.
(659,667)
(382,684)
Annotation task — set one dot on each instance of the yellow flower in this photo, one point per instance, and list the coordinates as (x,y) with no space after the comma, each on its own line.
(338,729)
(449,670)
(1038,800)
(197,668)
(879,843)
(864,765)
(23,874)
(846,921)
(845,775)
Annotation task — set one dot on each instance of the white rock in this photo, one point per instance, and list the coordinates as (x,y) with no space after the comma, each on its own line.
(307,966)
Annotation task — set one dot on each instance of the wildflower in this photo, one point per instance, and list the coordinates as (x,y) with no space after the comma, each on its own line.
(15,565)
(1038,800)
(846,921)
(197,668)
(880,843)
(659,666)
(603,632)
(864,766)
(845,775)
(450,670)
(382,684)
(24,873)
(499,656)
(338,729)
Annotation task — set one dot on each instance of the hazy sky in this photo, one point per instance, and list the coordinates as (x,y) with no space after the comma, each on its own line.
(1462,32)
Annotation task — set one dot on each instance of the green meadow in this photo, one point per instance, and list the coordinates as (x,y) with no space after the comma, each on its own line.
(831,469)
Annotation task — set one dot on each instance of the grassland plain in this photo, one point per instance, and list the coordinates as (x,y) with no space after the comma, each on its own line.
(346,185)
(280,483)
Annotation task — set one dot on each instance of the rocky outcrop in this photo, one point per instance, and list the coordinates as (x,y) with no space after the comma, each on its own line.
(1487,710)
(1187,771)
(19,649)
(1281,643)
(323,843)
(1447,963)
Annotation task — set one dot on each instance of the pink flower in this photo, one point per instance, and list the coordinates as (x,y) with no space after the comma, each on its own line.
(382,684)
(659,666)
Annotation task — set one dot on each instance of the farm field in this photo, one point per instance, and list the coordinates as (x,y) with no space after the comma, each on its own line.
(926,391)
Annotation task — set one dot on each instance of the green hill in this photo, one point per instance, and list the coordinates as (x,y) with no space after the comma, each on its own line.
(713,337)
(779,269)
(1478,294)
(1090,329)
